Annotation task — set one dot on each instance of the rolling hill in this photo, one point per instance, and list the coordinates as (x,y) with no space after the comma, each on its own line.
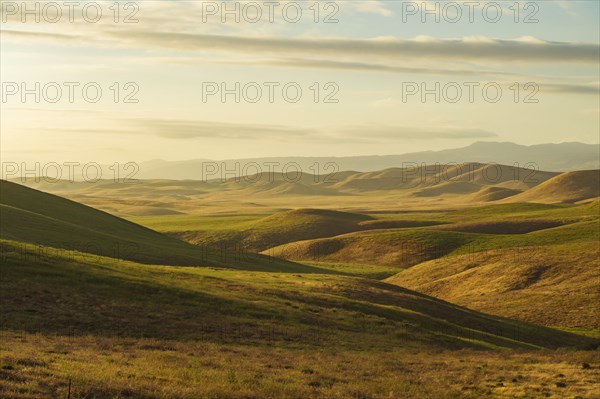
(84,318)
(567,187)
(407,239)
(507,260)
(542,268)
(453,178)
(553,285)
(416,187)
(34,217)
(399,248)
(216,305)
(279,228)
(107,328)
(490,194)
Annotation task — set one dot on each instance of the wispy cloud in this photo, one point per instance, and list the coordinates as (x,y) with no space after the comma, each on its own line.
(370,7)
(592,89)
(566,6)
(466,49)
(391,133)
(185,129)
(369,67)
(384,48)
(190,129)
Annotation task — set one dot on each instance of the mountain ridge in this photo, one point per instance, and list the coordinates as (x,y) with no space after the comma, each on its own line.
(552,157)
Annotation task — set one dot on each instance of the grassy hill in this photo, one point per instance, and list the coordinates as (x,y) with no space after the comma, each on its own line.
(542,268)
(257,234)
(81,317)
(437,179)
(553,285)
(35,217)
(507,259)
(399,248)
(107,328)
(403,240)
(191,303)
(568,187)
(494,193)
(416,186)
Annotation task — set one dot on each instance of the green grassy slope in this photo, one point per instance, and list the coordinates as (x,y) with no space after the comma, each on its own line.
(553,285)
(39,218)
(451,234)
(119,328)
(262,233)
(522,267)
(403,248)
(490,194)
(133,300)
(528,261)
(400,248)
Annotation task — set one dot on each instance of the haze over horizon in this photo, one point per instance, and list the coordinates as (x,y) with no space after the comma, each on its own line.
(378,155)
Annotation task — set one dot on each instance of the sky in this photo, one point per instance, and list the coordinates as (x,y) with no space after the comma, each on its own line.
(123,81)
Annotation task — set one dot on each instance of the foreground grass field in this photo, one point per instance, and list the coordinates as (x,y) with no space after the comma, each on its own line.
(169,302)
(120,329)
(40,365)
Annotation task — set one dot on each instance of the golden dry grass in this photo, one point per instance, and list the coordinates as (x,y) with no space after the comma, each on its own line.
(553,285)
(37,366)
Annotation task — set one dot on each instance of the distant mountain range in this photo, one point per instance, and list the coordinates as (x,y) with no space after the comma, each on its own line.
(548,157)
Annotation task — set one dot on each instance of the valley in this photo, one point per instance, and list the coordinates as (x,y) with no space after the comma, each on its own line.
(491,298)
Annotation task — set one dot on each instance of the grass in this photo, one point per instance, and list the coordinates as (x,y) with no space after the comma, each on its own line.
(553,285)
(147,325)
(400,248)
(178,223)
(33,366)
(588,332)
(446,234)
(377,272)
(201,303)
(68,225)
(259,233)
(186,332)
(530,245)
(532,262)
(566,187)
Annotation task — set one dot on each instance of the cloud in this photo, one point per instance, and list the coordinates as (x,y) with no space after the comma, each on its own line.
(33,35)
(322,64)
(593,89)
(368,67)
(464,50)
(392,133)
(566,6)
(186,129)
(456,49)
(369,7)
(189,129)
